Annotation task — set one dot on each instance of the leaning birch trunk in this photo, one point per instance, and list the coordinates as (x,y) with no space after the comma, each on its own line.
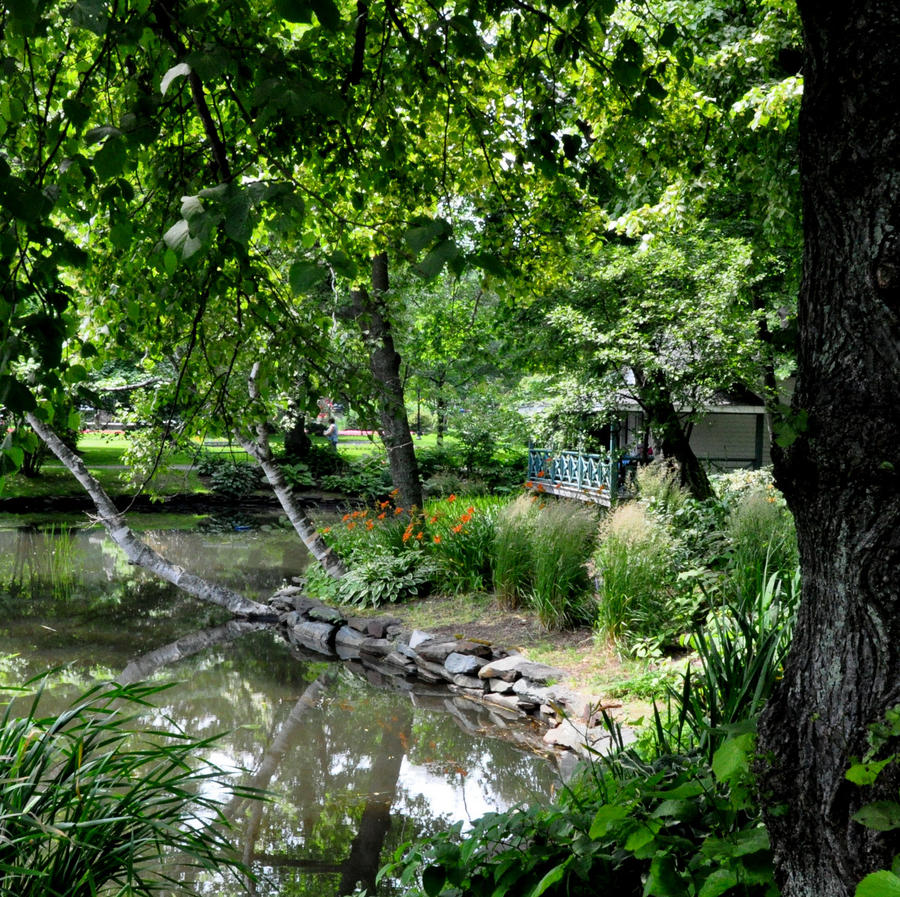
(139,553)
(260,450)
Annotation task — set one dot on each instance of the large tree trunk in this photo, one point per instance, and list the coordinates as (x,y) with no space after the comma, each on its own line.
(840,475)
(384,363)
(138,552)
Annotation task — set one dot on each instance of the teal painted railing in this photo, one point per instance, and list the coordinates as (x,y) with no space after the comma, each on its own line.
(593,476)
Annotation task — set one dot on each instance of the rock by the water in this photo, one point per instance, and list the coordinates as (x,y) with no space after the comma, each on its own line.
(465,664)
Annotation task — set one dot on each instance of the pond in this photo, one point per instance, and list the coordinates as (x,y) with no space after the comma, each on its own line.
(353,770)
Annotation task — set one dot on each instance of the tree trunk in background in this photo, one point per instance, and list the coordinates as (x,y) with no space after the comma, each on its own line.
(840,475)
(384,362)
(441,419)
(667,426)
(297,444)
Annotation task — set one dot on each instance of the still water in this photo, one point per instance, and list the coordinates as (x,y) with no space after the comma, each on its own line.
(353,770)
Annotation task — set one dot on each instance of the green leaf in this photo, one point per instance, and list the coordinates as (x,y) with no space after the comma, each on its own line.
(75,373)
(550,879)
(606,817)
(433,879)
(731,760)
(882,815)
(720,881)
(342,264)
(170,262)
(14,396)
(639,838)
(15,454)
(433,263)
(327,13)
(294,10)
(425,232)
(304,276)
(879,884)
(669,36)
(664,880)
(867,773)
(109,161)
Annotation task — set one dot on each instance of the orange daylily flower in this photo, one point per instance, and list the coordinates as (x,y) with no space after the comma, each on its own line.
(398,511)
(451,497)
(327,529)
(466,518)
(351,524)
(395,492)
(437,540)
(383,504)
(406,536)
(540,487)
(457,528)
(529,484)
(345,517)
(470,509)
(419,535)
(382,515)
(370,524)
(433,520)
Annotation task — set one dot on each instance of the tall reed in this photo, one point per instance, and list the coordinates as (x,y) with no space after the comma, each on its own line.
(91,802)
(637,585)
(564,538)
(513,548)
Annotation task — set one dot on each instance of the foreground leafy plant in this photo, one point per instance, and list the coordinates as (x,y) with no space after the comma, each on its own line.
(671,826)
(90,800)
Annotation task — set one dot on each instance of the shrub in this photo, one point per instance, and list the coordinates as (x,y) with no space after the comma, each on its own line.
(436,460)
(541,550)
(741,651)
(462,541)
(297,474)
(235,479)
(367,478)
(638,592)
(674,824)
(92,801)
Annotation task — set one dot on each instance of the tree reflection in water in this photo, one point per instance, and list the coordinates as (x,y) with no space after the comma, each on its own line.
(352,771)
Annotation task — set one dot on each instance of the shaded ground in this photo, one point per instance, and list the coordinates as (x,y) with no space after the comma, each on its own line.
(592,667)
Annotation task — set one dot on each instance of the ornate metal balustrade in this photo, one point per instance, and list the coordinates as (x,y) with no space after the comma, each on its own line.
(573,475)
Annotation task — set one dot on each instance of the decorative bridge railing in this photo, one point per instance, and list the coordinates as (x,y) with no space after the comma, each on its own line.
(573,475)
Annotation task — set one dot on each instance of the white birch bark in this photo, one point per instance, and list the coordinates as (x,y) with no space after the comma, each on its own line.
(138,552)
(259,449)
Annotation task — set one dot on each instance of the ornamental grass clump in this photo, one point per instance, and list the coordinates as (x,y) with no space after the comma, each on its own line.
(565,536)
(541,550)
(92,801)
(513,551)
(636,579)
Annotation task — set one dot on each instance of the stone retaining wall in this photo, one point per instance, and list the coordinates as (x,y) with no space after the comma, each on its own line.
(494,676)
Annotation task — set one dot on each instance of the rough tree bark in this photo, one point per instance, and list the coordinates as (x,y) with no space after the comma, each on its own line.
(384,362)
(840,475)
(137,552)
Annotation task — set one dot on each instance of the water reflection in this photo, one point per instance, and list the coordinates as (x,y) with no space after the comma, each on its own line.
(353,771)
